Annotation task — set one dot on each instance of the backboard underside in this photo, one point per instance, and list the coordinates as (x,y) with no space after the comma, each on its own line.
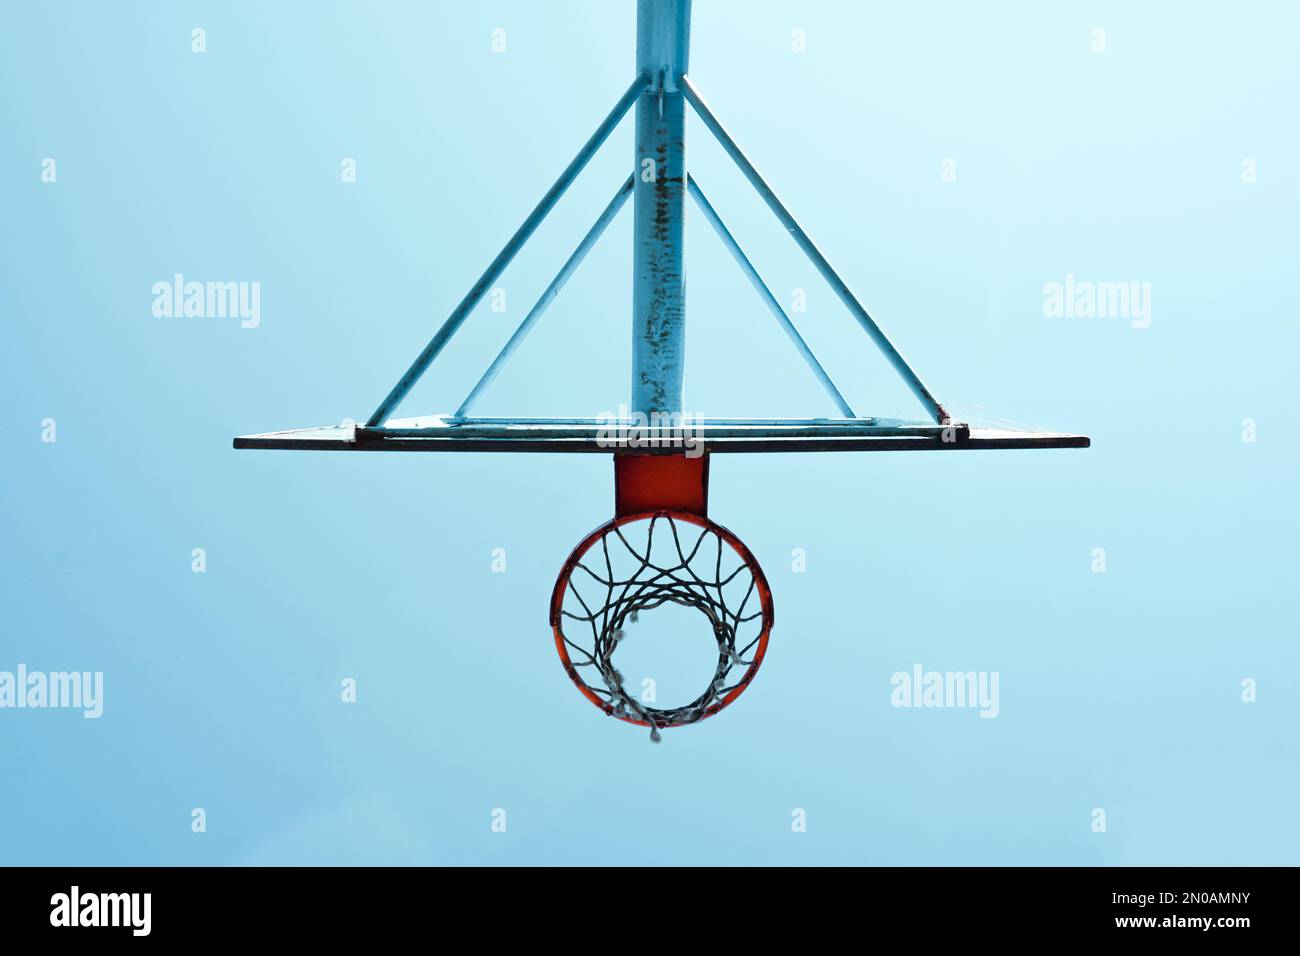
(660,92)
(577,435)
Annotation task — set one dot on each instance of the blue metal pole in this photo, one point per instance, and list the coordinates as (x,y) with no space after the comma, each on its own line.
(659,203)
(521,236)
(756,280)
(552,290)
(841,288)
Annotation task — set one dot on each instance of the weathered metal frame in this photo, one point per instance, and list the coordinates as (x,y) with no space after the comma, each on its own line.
(659,91)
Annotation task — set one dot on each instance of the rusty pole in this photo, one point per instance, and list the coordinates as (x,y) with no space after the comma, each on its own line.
(659,206)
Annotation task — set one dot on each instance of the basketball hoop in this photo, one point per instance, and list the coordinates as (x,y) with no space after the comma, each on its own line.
(660,548)
(643,560)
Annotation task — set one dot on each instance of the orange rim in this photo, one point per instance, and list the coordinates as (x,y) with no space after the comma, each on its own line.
(562,587)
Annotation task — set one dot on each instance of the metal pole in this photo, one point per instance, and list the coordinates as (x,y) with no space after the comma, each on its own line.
(841,288)
(765,293)
(552,290)
(521,236)
(659,203)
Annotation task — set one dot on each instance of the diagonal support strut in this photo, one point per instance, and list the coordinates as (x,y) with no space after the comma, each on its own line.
(566,271)
(841,289)
(504,257)
(765,293)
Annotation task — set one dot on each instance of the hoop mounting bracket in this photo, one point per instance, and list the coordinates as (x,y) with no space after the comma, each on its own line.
(661,483)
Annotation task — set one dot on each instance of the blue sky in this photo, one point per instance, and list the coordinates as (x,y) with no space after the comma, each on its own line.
(1167,158)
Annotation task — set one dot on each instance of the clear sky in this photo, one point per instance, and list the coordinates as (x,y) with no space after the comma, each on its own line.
(952,160)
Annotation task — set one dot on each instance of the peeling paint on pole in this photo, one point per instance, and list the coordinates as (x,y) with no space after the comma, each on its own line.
(659,203)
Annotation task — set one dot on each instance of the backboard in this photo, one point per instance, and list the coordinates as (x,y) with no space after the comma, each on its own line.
(613,436)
